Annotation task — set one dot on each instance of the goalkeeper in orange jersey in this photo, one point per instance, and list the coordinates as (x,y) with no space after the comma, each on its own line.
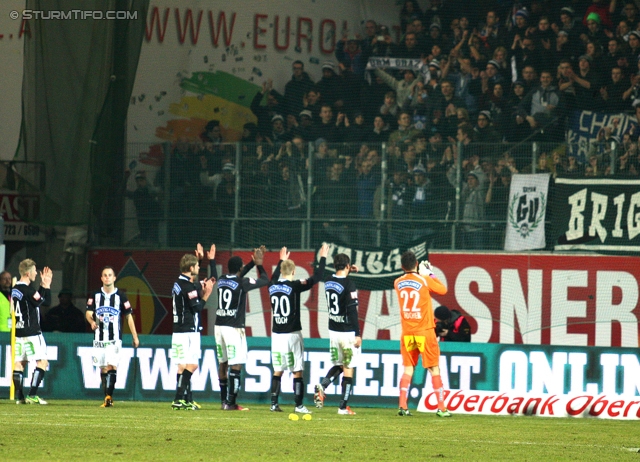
(418,327)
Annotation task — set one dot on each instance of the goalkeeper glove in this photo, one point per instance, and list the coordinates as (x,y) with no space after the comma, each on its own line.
(425,269)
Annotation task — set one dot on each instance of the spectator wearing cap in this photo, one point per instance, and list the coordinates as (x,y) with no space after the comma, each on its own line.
(490,77)
(634,47)
(595,33)
(265,113)
(612,93)
(403,88)
(603,10)
(451,325)
(520,26)
(278,133)
(297,88)
(382,44)
(435,37)
(587,85)
(564,49)
(484,130)
(305,128)
(64,317)
(330,86)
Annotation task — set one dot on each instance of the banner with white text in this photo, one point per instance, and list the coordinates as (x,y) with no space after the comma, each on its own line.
(491,378)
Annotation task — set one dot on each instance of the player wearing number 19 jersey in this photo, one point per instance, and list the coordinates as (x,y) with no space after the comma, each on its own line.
(231,340)
(287,348)
(418,326)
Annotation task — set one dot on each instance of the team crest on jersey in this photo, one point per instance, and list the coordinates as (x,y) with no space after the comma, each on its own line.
(127,305)
(280,288)
(411,284)
(332,285)
(193,294)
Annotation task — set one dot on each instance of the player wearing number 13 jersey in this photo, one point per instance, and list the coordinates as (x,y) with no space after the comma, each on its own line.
(344,331)
(287,349)
(418,326)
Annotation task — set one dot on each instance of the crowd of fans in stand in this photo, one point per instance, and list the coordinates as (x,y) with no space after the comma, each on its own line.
(487,80)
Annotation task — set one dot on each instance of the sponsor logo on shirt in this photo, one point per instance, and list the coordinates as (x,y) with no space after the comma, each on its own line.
(332,285)
(193,294)
(411,284)
(127,305)
(280,288)
(37,296)
(354,295)
(90,302)
(227,283)
(16,294)
(252,281)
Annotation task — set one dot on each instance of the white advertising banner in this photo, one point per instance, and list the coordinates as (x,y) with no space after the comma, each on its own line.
(526,212)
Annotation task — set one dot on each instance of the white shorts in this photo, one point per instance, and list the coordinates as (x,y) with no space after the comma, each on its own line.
(30,348)
(106,353)
(343,350)
(231,345)
(287,352)
(185,347)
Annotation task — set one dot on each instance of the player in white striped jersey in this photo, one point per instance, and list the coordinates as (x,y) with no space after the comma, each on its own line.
(105,308)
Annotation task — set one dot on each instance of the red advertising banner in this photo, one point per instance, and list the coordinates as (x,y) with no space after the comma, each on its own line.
(536,299)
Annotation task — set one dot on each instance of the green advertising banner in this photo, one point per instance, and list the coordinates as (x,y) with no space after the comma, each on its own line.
(147,373)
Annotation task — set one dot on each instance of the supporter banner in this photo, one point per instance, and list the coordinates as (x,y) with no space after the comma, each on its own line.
(600,214)
(531,298)
(493,372)
(584,126)
(527,212)
(377,268)
(394,63)
(205,60)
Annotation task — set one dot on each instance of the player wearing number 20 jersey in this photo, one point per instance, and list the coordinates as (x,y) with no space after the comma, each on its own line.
(287,347)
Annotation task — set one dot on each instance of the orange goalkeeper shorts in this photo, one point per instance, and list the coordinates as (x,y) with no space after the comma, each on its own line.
(423,344)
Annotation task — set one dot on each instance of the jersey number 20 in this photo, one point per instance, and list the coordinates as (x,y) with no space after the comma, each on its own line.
(281,305)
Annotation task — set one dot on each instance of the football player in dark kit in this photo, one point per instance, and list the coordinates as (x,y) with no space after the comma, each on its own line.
(344,331)
(287,347)
(189,298)
(30,344)
(231,339)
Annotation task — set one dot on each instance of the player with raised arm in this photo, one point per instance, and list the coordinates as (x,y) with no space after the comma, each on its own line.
(418,338)
(287,347)
(105,309)
(344,331)
(231,339)
(189,298)
(30,344)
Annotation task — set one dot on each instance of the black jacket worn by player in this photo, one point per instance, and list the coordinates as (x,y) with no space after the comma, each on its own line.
(232,294)
(285,298)
(458,327)
(342,302)
(26,305)
(187,305)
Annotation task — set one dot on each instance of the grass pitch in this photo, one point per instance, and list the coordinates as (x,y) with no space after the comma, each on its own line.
(131,431)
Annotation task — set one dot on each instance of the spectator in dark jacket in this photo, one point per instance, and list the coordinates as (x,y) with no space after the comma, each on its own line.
(296,89)
(452,326)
